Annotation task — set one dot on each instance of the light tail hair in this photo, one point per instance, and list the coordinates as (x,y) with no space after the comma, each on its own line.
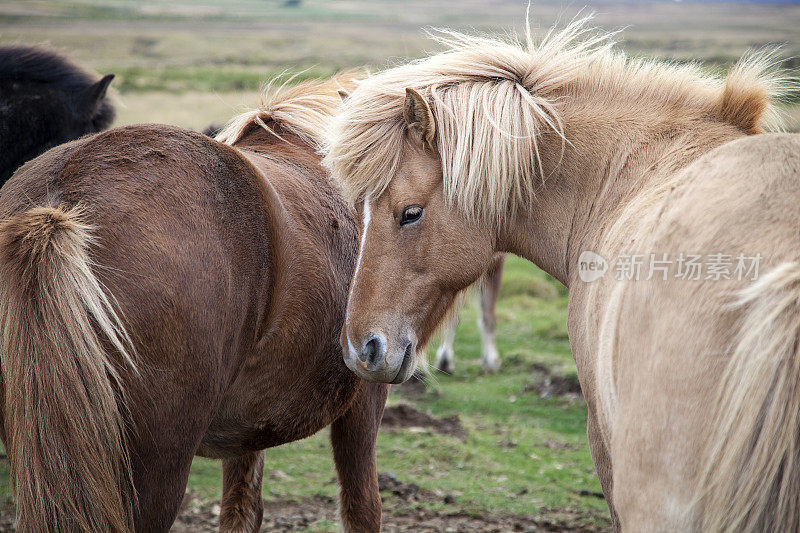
(65,424)
(750,477)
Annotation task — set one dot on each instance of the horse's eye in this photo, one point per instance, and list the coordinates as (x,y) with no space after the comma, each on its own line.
(410,215)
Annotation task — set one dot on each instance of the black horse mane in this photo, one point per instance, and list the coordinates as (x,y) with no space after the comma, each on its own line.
(43,65)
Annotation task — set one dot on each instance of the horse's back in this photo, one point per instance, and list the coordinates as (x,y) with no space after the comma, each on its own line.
(742,194)
(180,241)
(736,212)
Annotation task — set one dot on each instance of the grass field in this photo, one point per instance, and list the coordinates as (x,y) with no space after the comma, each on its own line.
(195,63)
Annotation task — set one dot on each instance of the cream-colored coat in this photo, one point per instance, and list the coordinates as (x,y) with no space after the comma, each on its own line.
(693,387)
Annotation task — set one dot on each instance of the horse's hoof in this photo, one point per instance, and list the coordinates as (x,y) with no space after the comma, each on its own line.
(491,367)
(447,369)
(444,361)
(445,366)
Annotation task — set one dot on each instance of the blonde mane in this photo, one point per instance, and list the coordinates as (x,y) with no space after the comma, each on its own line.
(304,109)
(493,99)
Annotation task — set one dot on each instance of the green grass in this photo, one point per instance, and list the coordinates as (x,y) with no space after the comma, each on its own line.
(209,78)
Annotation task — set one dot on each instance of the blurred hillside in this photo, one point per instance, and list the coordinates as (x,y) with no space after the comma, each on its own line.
(202,48)
(231,45)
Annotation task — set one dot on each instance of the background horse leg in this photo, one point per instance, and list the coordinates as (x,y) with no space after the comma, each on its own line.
(242,506)
(490,287)
(444,355)
(353,439)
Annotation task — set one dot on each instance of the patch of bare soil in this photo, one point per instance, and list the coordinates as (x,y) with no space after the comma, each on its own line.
(558,445)
(279,516)
(389,485)
(426,520)
(548,385)
(406,417)
(413,389)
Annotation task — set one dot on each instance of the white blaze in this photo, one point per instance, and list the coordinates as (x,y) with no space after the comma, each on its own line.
(367,216)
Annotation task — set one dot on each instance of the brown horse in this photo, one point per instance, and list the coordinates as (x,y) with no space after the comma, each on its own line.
(573,156)
(164,295)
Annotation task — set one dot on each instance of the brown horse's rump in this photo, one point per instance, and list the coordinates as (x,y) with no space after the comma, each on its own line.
(229,273)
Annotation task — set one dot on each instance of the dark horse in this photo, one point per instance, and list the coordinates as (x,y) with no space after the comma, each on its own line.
(46,100)
(164,295)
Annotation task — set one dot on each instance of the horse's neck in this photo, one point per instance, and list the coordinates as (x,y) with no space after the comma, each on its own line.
(611,169)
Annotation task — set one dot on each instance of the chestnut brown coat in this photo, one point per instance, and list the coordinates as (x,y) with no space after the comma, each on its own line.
(165,295)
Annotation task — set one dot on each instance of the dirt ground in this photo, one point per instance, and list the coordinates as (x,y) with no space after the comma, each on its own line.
(406,417)
(546,384)
(404,503)
(321,512)
(401,514)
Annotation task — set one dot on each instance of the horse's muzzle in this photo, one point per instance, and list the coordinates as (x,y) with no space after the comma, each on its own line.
(375,359)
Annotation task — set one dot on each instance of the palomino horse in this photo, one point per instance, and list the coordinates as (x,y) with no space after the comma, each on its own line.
(488,289)
(164,295)
(564,149)
(47,100)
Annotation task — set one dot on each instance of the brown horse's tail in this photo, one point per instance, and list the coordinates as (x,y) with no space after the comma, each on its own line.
(750,477)
(64,422)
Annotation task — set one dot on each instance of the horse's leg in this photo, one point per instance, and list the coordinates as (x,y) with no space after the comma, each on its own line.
(444,355)
(242,506)
(160,477)
(170,420)
(353,439)
(486,318)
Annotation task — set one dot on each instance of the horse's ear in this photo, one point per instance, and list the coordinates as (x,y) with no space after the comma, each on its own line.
(343,94)
(97,92)
(419,118)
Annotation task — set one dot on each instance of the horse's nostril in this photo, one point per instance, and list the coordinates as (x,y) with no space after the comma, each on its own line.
(409,351)
(369,350)
(373,352)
